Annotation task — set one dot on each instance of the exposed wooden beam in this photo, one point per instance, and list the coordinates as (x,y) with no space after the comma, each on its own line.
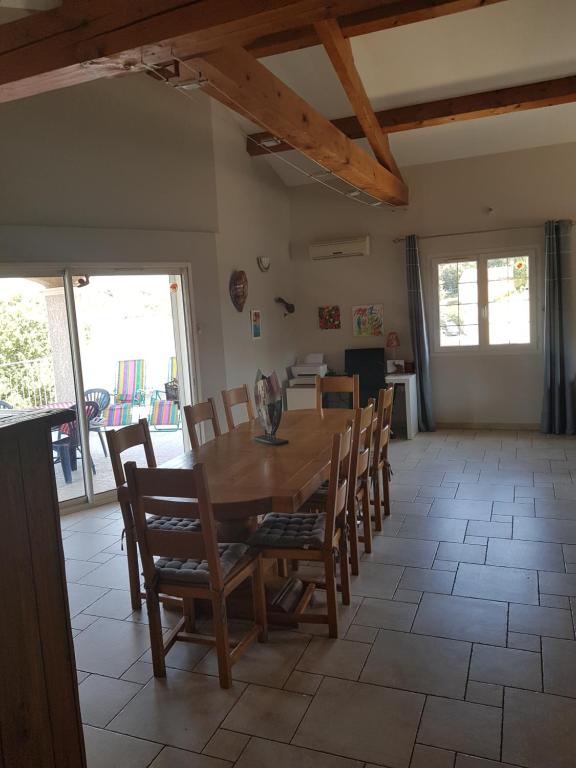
(86,39)
(518,98)
(237,79)
(339,51)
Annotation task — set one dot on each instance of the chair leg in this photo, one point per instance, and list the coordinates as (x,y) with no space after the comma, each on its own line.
(330,581)
(155,626)
(102,442)
(386,487)
(220,620)
(344,567)
(259,598)
(367,522)
(353,533)
(189,614)
(132,557)
(377,501)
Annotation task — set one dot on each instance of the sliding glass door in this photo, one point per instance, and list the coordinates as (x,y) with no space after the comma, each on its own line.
(114,347)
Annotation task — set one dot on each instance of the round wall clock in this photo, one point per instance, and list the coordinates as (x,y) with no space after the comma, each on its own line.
(238,288)
(263,263)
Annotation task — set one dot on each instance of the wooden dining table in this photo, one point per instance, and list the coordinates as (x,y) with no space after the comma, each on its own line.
(247,478)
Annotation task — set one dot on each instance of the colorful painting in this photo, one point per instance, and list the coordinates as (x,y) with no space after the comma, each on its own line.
(367,320)
(329,317)
(256,323)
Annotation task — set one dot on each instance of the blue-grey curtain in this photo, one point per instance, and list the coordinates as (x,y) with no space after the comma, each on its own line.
(557,406)
(419,336)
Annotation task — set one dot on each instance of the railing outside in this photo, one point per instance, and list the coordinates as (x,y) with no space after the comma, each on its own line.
(27,383)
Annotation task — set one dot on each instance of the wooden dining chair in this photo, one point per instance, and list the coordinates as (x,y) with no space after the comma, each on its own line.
(380,469)
(199,414)
(359,486)
(120,440)
(191,565)
(315,537)
(338,384)
(238,396)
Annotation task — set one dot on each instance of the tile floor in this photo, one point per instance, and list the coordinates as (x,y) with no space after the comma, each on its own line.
(458,649)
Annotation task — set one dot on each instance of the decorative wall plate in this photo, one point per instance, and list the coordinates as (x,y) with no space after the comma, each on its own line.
(263,263)
(238,288)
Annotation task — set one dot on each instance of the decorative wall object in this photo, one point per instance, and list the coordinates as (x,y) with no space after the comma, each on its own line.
(395,366)
(263,263)
(289,309)
(238,288)
(392,342)
(256,323)
(268,399)
(329,317)
(367,320)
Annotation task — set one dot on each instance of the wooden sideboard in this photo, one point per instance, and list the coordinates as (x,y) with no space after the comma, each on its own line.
(40,724)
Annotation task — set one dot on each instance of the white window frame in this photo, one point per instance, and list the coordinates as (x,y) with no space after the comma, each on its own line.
(481,256)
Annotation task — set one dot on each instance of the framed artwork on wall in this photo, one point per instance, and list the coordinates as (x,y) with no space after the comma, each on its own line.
(329,317)
(256,323)
(368,319)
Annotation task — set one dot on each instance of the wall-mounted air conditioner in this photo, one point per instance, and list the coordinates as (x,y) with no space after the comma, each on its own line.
(340,249)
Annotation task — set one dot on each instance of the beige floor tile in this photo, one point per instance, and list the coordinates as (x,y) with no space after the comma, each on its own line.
(303,682)
(360,633)
(226,745)
(337,658)
(506,477)
(537,620)
(522,508)
(140,672)
(533,492)
(538,730)
(399,551)
(183,710)
(403,660)
(113,750)
(115,604)
(506,666)
(485,693)
(180,758)
(438,491)
(524,642)
(431,757)
(109,647)
(113,575)
(540,529)
(462,727)
(420,507)
(462,618)
(90,524)
(75,569)
(559,665)
(569,553)
(481,541)
(376,579)
(534,555)
(464,553)
(81,596)
(558,583)
(403,492)
(497,583)
(185,656)
(485,492)
(445,565)
(462,507)
(345,718)
(389,614)
(346,613)
(408,595)
(267,712)
(434,529)
(263,754)
(427,580)
(82,621)
(101,698)
(266,663)
(554,601)
(81,546)
(467,761)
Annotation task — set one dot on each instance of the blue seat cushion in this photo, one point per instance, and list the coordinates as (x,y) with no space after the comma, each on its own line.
(180,524)
(297,531)
(196,571)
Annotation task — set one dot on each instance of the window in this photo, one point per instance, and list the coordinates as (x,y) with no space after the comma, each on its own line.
(484,302)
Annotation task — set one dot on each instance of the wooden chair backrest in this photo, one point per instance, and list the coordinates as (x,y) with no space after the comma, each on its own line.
(198,414)
(383,425)
(238,396)
(361,446)
(120,440)
(345,384)
(337,499)
(173,493)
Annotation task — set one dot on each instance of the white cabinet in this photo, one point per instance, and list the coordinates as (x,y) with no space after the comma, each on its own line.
(300,398)
(411,395)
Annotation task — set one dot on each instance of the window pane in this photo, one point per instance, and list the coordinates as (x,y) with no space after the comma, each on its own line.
(458,303)
(509,300)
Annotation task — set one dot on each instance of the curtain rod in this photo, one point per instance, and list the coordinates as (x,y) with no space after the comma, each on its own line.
(475,232)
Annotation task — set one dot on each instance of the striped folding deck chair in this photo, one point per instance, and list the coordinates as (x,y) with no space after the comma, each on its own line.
(172,369)
(164,415)
(130,382)
(118,415)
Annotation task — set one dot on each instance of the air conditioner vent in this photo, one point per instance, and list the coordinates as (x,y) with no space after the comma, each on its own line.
(340,249)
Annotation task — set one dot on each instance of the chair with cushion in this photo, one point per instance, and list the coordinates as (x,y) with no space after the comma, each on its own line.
(191,565)
(119,441)
(130,382)
(238,396)
(199,414)
(102,398)
(380,469)
(164,416)
(338,384)
(315,537)
(4,406)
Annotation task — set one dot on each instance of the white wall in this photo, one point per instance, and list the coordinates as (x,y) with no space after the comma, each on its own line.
(524,189)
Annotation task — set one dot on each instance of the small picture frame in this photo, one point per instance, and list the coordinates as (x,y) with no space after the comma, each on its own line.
(395,366)
(256,323)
